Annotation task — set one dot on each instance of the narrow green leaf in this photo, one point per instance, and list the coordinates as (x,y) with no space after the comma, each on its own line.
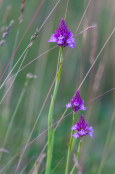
(57,165)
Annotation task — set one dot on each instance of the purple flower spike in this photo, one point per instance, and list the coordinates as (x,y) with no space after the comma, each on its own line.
(76,103)
(63,37)
(82,128)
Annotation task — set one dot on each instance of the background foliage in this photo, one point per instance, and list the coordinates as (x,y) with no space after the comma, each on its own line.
(77,63)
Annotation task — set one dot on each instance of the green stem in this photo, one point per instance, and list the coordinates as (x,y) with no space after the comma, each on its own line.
(79,148)
(69,149)
(50,115)
(12,119)
(14,114)
(15,43)
(78,153)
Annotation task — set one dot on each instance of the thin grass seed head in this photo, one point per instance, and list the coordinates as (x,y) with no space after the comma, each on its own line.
(82,129)
(33,37)
(76,103)
(29,76)
(22,11)
(63,37)
(8,29)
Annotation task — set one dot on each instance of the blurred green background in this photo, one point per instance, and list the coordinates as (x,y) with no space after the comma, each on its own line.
(100,113)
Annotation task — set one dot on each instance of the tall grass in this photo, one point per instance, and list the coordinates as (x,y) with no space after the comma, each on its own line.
(88,67)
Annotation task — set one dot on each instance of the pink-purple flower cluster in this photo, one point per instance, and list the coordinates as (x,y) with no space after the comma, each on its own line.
(82,128)
(76,103)
(63,36)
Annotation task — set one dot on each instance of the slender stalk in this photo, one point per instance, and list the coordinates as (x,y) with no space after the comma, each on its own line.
(56,166)
(23,36)
(50,115)
(69,149)
(106,144)
(78,153)
(14,114)
(13,67)
(15,43)
(79,148)
(14,77)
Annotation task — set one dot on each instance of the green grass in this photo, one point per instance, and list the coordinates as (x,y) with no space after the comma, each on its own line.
(76,64)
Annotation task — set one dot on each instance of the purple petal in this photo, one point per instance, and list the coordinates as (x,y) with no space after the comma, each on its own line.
(90,129)
(74,128)
(52,38)
(90,134)
(76,103)
(71,42)
(76,135)
(68,105)
(82,132)
(82,107)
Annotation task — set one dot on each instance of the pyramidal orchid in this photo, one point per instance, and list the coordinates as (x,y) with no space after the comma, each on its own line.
(76,103)
(63,37)
(82,128)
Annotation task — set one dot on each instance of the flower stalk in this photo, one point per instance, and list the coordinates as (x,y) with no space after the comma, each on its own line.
(63,37)
(78,153)
(69,149)
(50,116)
